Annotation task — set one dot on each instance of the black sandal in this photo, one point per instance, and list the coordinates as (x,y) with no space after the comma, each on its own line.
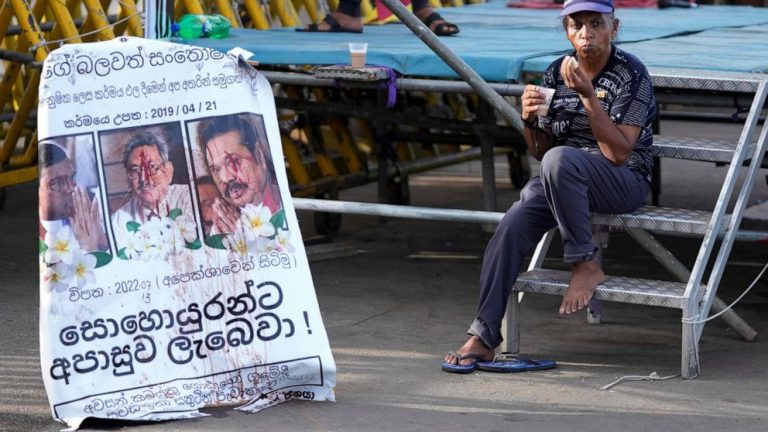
(335,27)
(442,29)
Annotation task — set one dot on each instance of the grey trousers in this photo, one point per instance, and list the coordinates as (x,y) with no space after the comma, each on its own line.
(571,184)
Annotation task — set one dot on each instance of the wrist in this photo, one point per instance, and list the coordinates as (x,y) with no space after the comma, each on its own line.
(588,97)
(531,124)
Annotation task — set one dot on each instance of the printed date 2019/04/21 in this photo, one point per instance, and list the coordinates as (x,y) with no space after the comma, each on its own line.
(190,108)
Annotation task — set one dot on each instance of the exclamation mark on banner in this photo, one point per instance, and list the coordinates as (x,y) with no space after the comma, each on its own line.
(306,320)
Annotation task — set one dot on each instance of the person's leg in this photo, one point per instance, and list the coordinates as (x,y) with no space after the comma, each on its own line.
(349,7)
(347,15)
(516,236)
(577,183)
(436,23)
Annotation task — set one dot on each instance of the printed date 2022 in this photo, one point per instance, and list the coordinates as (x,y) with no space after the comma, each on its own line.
(124,287)
(120,287)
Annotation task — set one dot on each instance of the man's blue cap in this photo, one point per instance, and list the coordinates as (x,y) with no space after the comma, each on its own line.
(573,6)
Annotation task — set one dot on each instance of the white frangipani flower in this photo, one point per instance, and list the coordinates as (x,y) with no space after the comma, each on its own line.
(82,269)
(283,241)
(61,244)
(134,245)
(187,229)
(173,243)
(271,245)
(56,277)
(256,222)
(163,246)
(153,228)
(150,251)
(238,243)
(261,244)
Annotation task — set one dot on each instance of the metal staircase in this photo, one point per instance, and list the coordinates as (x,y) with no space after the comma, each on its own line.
(691,296)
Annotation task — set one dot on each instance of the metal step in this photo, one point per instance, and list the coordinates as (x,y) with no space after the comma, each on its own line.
(697,79)
(700,149)
(615,288)
(663,219)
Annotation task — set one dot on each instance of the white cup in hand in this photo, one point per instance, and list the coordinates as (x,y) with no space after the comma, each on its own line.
(544,108)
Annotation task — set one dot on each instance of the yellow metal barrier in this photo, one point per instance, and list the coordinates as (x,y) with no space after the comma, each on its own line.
(130,21)
(97,20)
(21,78)
(296,168)
(342,139)
(310,6)
(193,7)
(64,20)
(225,8)
(254,11)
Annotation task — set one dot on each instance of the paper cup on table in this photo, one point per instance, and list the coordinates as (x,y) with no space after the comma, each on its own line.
(548,93)
(357,51)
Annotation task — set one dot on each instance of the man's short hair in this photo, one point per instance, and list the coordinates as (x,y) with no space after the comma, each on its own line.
(213,127)
(50,154)
(145,138)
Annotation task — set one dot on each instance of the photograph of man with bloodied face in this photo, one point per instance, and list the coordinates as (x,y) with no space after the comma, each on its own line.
(233,153)
(148,188)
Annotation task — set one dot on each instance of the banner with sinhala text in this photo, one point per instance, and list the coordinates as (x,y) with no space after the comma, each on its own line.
(172,271)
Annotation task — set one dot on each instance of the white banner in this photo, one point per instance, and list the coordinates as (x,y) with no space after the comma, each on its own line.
(172,270)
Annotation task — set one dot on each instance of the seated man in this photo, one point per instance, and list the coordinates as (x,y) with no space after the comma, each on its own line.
(346,18)
(63,203)
(594,145)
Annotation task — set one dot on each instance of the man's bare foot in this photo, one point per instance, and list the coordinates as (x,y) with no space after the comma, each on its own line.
(586,276)
(473,345)
(344,20)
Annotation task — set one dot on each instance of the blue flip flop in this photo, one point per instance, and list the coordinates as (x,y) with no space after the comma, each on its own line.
(459,368)
(507,362)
